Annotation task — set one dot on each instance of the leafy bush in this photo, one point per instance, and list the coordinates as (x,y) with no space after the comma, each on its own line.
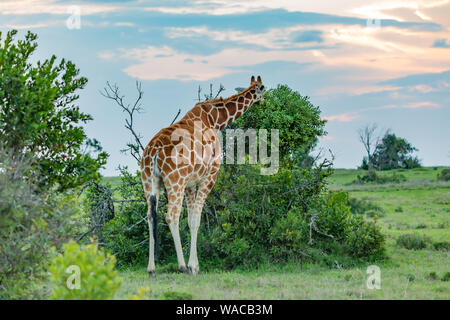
(249,218)
(441,245)
(177,295)
(413,241)
(141,294)
(444,175)
(97,278)
(31,223)
(372,176)
(432,276)
(446,277)
(364,206)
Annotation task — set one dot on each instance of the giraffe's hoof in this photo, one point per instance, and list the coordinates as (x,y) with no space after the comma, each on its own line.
(194,270)
(151,274)
(183,270)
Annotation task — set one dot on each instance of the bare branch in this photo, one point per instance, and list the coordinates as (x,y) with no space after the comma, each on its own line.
(368,139)
(113,92)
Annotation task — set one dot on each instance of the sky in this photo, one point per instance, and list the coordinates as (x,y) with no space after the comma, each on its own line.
(360,61)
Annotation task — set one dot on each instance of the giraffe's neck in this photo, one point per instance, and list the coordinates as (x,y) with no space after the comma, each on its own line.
(226,111)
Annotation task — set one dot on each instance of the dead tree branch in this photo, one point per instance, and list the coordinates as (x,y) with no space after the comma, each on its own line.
(113,92)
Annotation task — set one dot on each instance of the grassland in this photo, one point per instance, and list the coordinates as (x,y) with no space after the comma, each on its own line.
(419,206)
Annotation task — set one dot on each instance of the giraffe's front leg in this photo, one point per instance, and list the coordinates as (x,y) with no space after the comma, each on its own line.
(194,217)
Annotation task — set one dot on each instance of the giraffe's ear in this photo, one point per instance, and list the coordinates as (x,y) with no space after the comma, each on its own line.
(259,79)
(252,80)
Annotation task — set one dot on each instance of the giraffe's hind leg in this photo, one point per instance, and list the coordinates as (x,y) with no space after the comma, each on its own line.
(175,195)
(151,226)
(151,190)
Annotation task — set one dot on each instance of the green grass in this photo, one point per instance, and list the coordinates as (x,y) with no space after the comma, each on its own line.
(419,205)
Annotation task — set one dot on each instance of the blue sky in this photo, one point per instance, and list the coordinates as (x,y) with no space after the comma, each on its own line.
(361,61)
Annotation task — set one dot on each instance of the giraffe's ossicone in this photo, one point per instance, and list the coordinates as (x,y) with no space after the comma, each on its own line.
(185,160)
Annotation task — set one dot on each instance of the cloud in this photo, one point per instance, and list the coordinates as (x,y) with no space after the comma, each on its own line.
(30,7)
(441,43)
(343,117)
(155,63)
(350,116)
(423,82)
(413,105)
(307,36)
(124,24)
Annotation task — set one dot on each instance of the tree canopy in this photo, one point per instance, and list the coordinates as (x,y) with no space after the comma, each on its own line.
(392,152)
(39,115)
(296,118)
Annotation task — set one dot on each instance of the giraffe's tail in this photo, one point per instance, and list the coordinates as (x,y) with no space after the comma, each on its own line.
(155,224)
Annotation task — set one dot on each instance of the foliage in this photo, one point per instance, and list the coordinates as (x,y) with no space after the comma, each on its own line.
(392,152)
(372,177)
(364,206)
(444,175)
(441,245)
(296,118)
(99,204)
(177,295)
(141,294)
(446,277)
(98,279)
(249,218)
(30,223)
(413,241)
(38,115)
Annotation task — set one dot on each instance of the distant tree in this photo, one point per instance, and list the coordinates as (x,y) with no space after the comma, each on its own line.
(39,117)
(369,139)
(393,152)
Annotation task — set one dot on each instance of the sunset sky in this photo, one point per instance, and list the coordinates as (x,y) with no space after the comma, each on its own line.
(360,61)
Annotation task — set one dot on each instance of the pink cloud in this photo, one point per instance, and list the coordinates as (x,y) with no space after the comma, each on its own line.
(344,117)
(413,105)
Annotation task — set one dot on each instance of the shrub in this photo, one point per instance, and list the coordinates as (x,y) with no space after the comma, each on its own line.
(250,218)
(441,245)
(141,294)
(177,295)
(372,176)
(364,206)
(444,175)
(31,223)
(97,279)
(432,276)
(413,241)
(446,277)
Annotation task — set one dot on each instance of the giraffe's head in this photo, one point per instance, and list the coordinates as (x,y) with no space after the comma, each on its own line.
(259,89)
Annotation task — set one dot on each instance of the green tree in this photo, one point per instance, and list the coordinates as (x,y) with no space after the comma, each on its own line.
(295,116)
(39,115)
(393,153)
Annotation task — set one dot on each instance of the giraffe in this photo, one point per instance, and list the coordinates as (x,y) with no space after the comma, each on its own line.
(185,158)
